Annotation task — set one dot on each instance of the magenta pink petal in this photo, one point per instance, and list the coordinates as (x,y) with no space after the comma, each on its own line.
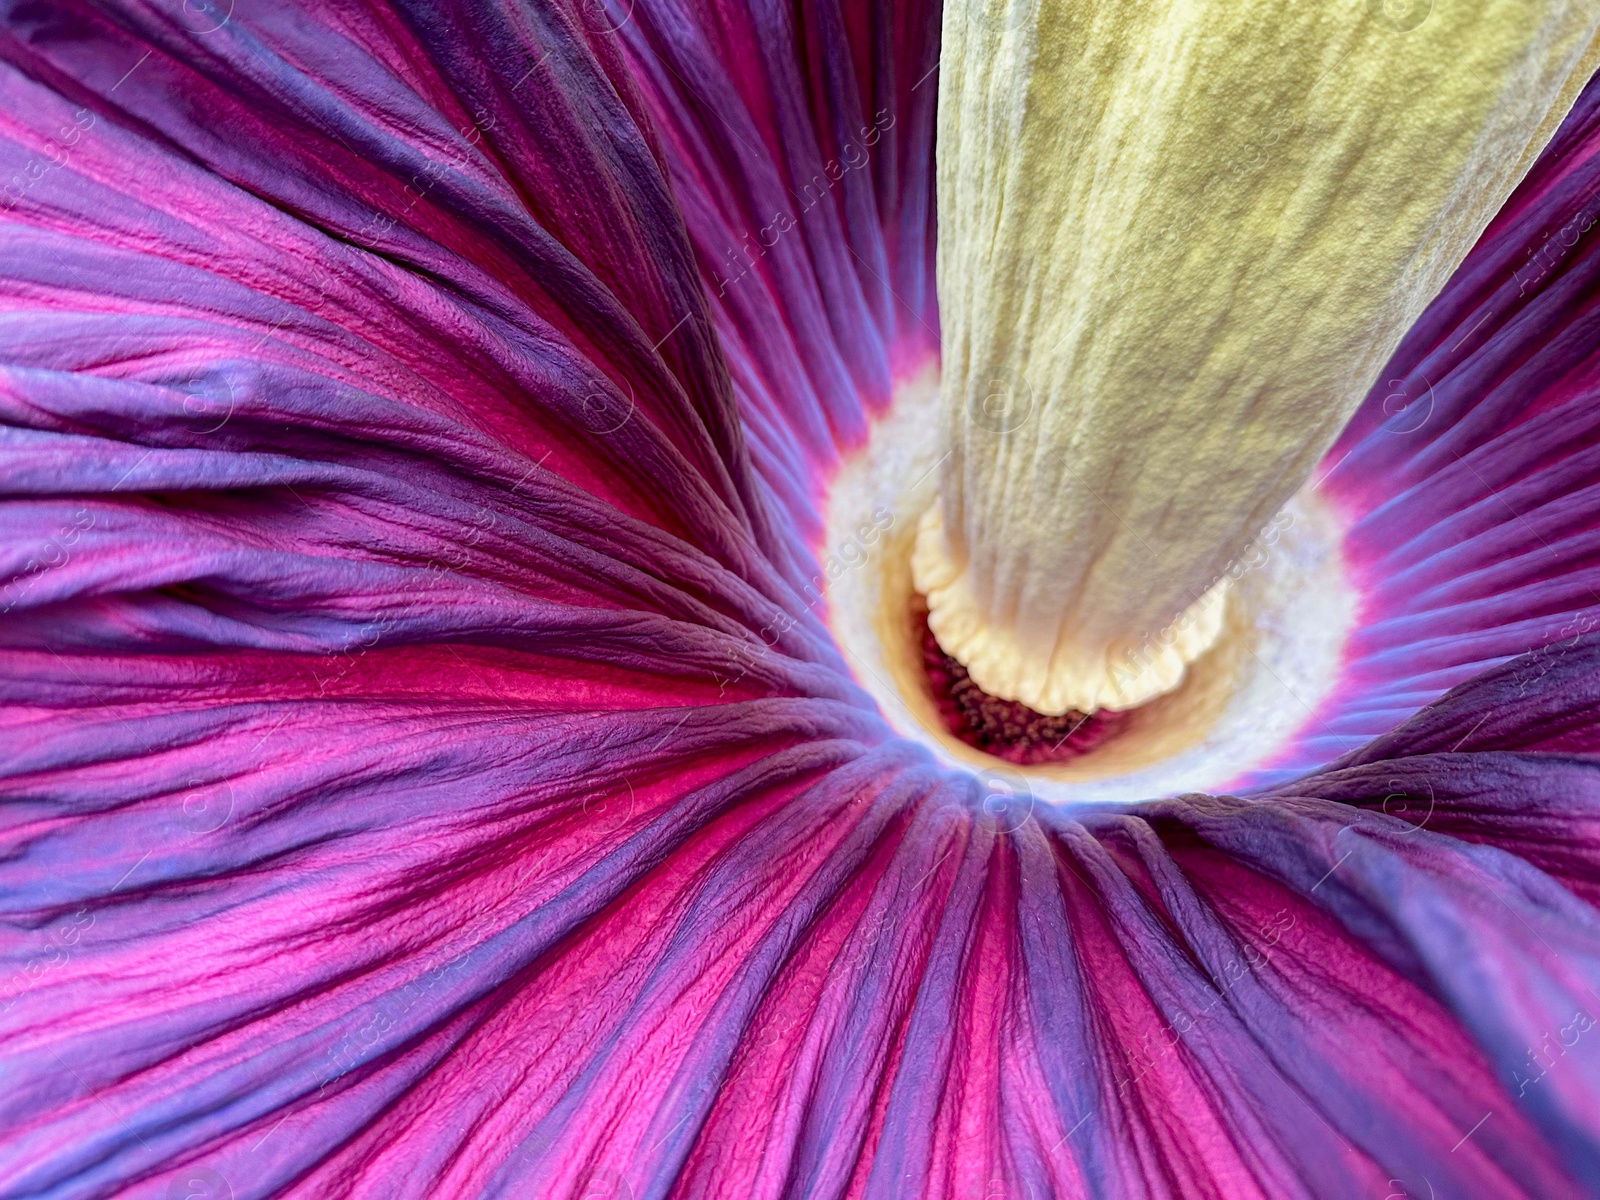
(427,773)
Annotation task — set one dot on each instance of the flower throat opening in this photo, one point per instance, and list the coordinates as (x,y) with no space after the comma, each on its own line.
(1006,729)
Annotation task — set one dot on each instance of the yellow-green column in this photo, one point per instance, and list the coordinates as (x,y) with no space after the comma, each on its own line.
(1178,239)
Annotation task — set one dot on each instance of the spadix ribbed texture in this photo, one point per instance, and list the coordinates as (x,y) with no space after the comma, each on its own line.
(1177,242)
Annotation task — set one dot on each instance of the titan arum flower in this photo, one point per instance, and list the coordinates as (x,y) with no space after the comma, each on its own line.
(564,637)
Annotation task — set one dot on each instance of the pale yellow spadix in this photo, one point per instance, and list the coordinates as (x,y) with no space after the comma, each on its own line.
(1178,239)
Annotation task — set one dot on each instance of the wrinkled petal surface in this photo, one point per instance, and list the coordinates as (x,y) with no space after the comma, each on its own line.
(428,774)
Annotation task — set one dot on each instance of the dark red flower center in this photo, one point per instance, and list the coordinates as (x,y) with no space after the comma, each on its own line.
(1007,729)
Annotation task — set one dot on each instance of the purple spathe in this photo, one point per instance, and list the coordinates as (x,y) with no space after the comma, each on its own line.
(426,774)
